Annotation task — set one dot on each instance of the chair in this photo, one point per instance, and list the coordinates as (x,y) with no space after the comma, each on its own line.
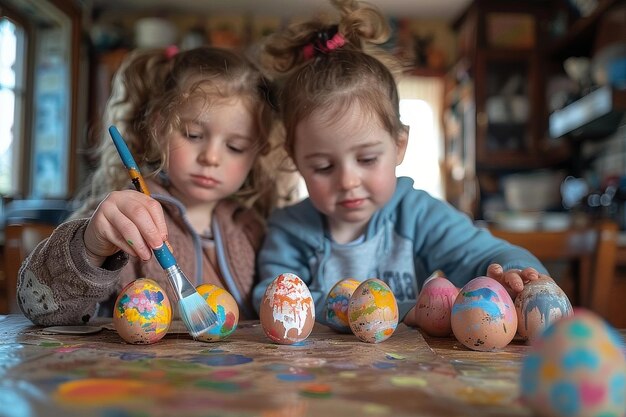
(19,240)
(591,250)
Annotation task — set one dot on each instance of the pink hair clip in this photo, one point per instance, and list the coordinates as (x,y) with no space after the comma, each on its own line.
(171,51)
(309,50)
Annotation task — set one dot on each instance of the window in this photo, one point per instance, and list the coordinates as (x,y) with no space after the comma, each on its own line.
(420,101)
(12,53)
(39,43)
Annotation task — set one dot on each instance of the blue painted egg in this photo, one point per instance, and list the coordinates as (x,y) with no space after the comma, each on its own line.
(576,367)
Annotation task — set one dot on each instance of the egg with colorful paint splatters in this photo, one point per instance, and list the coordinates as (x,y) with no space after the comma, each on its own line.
(540,303)
(576,367)
(143,312)
(337,303)
(433,309)
(483,315)
(226,310)
(373,311)
(287,311)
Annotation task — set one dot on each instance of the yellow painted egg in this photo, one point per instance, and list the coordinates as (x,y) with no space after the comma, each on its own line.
(287,311)
(433,309)
(540,303)
(373,311)
(337,303)
(226,309)
(483,315)
(143,312)
(576,367)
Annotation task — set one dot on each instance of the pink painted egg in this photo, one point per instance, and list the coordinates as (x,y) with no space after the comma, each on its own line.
(483,315)
(540,303)
(576,367)
(287,311)
(226,309)
(337,303)
(434,307)
(143,312)
(373,311)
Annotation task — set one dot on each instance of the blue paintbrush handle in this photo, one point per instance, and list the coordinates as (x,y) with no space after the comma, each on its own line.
(122,149)
(164,256)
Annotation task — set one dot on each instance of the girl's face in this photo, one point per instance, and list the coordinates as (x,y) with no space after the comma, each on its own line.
(212,152)
(348,164)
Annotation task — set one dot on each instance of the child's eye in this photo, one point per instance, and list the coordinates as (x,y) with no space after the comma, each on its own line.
(322,169)
(193,136)
(369,160)
(236,148)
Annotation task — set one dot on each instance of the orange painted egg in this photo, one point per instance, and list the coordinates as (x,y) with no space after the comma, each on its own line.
(337,303)
(373,311)
(483,315)
(287,311)
(226,309)
(143,312)
(540,303)
(434,307)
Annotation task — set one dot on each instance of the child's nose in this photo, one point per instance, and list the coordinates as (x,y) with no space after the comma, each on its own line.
(349,179)
(210,155)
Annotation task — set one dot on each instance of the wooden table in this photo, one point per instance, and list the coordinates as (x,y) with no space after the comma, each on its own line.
(247,375)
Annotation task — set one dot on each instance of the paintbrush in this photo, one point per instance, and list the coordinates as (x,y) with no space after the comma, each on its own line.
(193,309)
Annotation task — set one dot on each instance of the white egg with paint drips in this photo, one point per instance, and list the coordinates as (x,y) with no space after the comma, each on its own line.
(540,303)
(287,310)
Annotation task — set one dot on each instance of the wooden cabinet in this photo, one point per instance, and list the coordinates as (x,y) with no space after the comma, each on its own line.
(503,119)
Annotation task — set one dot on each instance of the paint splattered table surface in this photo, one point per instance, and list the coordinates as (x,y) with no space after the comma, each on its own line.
(329,374)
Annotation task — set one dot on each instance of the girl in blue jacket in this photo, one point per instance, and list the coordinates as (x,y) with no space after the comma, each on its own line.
(340,108)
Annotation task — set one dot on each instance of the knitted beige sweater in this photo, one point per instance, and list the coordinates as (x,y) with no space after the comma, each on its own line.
(57,286)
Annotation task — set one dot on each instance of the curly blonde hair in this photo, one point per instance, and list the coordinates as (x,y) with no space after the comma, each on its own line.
(334,78)
(148,90)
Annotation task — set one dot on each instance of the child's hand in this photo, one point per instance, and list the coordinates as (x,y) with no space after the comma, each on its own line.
(513,279)
(128,221)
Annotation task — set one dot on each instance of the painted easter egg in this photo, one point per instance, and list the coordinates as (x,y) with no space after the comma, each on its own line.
(576,367)
(483,315)
(373,311)
(143,312)
(337,303)
(225,308)
(434,307)
(287,310)
(540,303)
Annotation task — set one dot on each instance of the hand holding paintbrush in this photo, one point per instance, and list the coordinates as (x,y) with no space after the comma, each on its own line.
(193,309)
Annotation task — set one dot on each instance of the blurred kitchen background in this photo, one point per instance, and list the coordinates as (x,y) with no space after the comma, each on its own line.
(517,108)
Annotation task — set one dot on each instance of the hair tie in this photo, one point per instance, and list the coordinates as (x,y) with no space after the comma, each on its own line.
(171,51)
(324,42)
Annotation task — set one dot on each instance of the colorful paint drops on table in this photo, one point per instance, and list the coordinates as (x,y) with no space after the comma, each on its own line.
(143,312)
(576,367)
(373,311)
(287,311)
(337,303)
(483,315)
(540,303)
(226,309)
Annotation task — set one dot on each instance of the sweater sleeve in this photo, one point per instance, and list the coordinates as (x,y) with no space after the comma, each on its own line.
(56,283)
(446,239)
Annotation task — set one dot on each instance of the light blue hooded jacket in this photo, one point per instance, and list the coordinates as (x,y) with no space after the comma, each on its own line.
(405,241)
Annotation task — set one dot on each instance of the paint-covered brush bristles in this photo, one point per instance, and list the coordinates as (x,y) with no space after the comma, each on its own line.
(195,312)
(193,309)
